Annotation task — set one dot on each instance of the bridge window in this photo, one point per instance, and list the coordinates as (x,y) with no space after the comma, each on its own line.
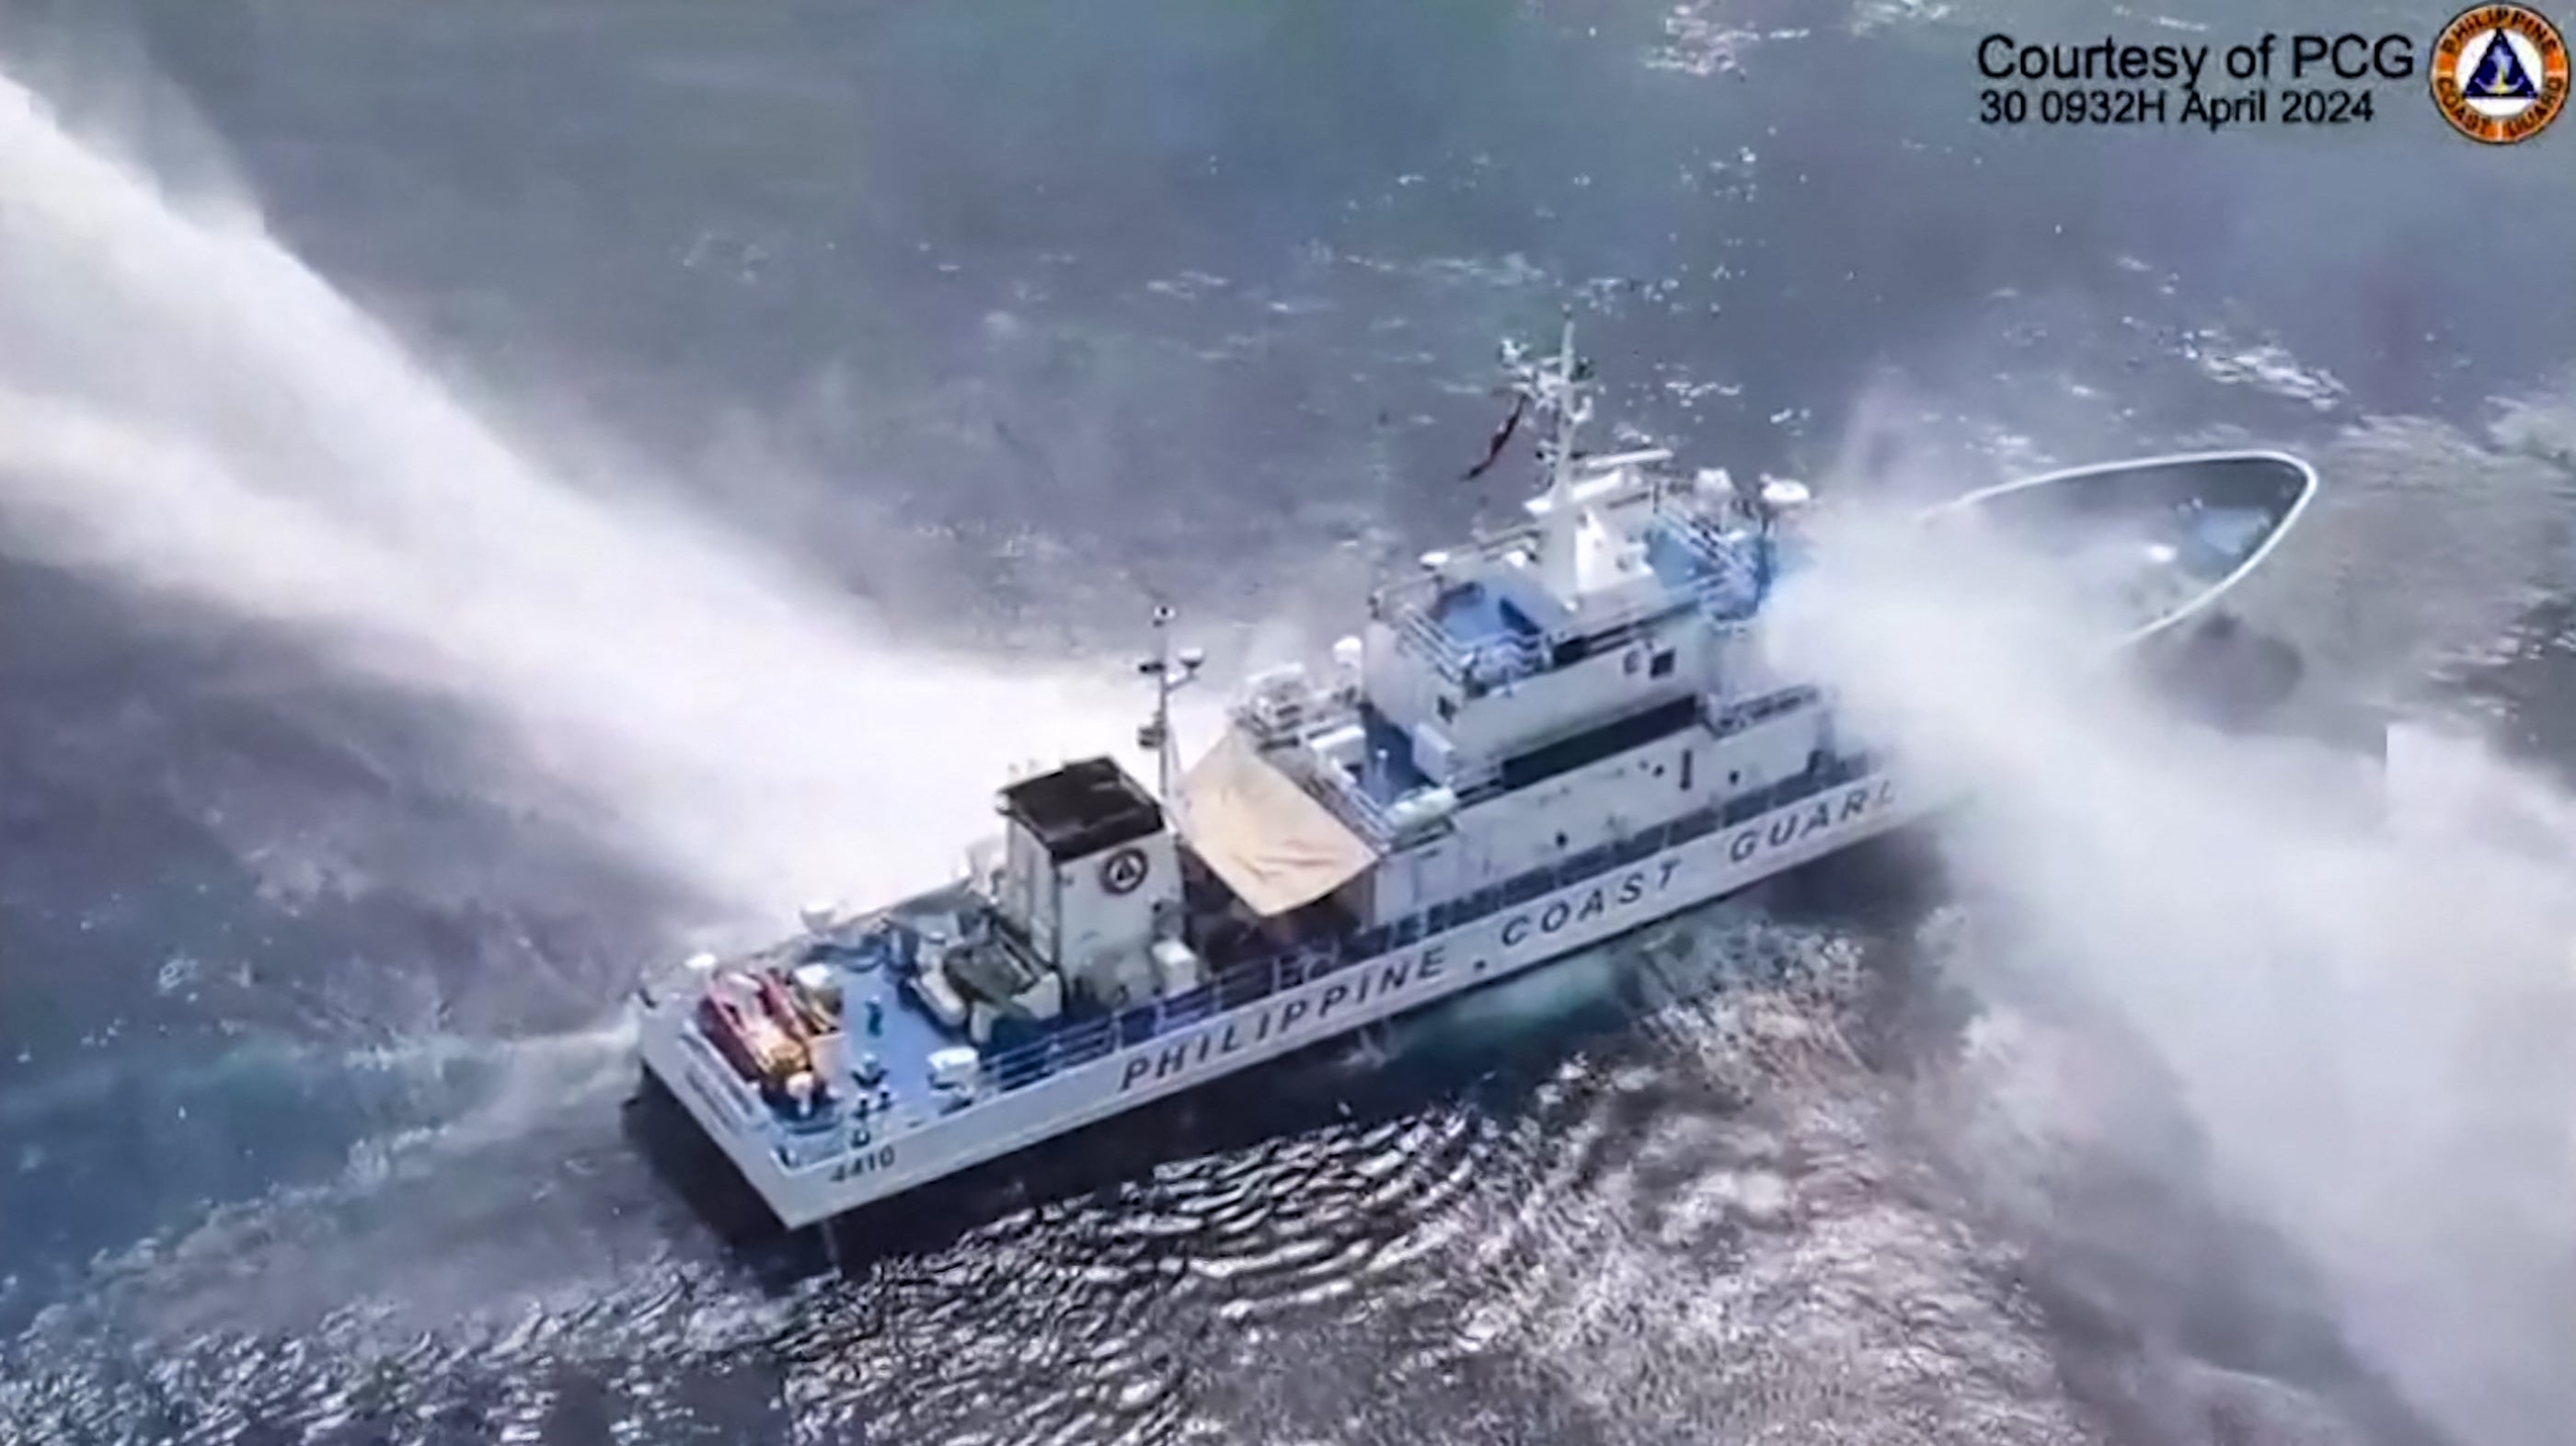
(1686,770)
(1607,741)
(1662,667)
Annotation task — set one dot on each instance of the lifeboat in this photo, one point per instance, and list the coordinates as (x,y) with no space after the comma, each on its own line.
(749,1021)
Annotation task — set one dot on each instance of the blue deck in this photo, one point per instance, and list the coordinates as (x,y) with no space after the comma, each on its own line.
(1078,1042)
(1472,615)
(1676,563)
(1473,633)
(1727,576)
(900,1033)
(908,1033)
(1387,770)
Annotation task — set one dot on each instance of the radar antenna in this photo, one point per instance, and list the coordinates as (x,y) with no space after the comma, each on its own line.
(1171,671)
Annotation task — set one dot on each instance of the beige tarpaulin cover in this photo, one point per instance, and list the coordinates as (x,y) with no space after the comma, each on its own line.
(1274,846)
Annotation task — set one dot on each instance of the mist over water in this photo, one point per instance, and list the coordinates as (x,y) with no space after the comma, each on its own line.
(1712,1223)
(186,411)
(2366,1011)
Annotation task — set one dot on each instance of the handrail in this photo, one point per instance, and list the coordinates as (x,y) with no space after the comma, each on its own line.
(1260,978)
(1355,809)
(1415,629)
(1085,1041)
(1091,1040)
(1730,592)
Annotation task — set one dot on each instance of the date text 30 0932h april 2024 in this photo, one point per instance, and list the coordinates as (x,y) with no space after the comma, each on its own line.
(2497,74)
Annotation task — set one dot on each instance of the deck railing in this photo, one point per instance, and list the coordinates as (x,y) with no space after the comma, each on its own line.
(1729,591)
(1357,811)
(1732,590)
(1257,979)
(1289,727)
(1492,659)
(799,1145)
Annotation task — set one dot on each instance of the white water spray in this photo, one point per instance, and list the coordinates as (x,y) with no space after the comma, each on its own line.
(185,408)
(2373,1021)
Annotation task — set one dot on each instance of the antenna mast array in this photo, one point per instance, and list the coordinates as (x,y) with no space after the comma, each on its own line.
(1558,388)
(1171,671)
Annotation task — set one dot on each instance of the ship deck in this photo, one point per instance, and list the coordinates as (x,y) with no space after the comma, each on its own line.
(1472,616)
(887,1026)
(908,1033)
(1465,619)
(1387,771)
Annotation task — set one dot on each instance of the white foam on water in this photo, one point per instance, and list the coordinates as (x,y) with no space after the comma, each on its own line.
(2372,1018)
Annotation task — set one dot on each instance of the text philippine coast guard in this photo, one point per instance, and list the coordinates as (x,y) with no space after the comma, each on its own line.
(2302,78)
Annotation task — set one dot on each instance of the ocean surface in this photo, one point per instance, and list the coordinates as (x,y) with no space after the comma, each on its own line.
(504,491)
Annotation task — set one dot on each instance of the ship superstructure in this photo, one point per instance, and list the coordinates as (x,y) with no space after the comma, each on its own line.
(1539,740)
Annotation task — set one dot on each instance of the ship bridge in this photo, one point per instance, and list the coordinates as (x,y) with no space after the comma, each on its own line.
(1616,614)
(1637,549)
(1623,603)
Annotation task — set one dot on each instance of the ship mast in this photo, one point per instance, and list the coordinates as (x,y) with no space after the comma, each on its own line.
(1558,389)
(1171,671)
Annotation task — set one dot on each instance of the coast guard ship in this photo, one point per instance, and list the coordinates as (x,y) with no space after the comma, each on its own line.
(1541,740)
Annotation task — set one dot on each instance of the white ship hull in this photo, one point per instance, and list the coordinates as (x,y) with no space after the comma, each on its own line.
(1506,942)
(1553,735)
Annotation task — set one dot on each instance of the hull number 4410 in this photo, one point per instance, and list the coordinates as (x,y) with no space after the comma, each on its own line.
(865,1162)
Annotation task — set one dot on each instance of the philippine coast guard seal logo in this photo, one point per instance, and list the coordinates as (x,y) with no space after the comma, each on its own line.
(1122,871)
(2500,73)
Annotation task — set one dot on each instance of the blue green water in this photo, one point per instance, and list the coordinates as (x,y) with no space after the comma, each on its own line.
(307,1110)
